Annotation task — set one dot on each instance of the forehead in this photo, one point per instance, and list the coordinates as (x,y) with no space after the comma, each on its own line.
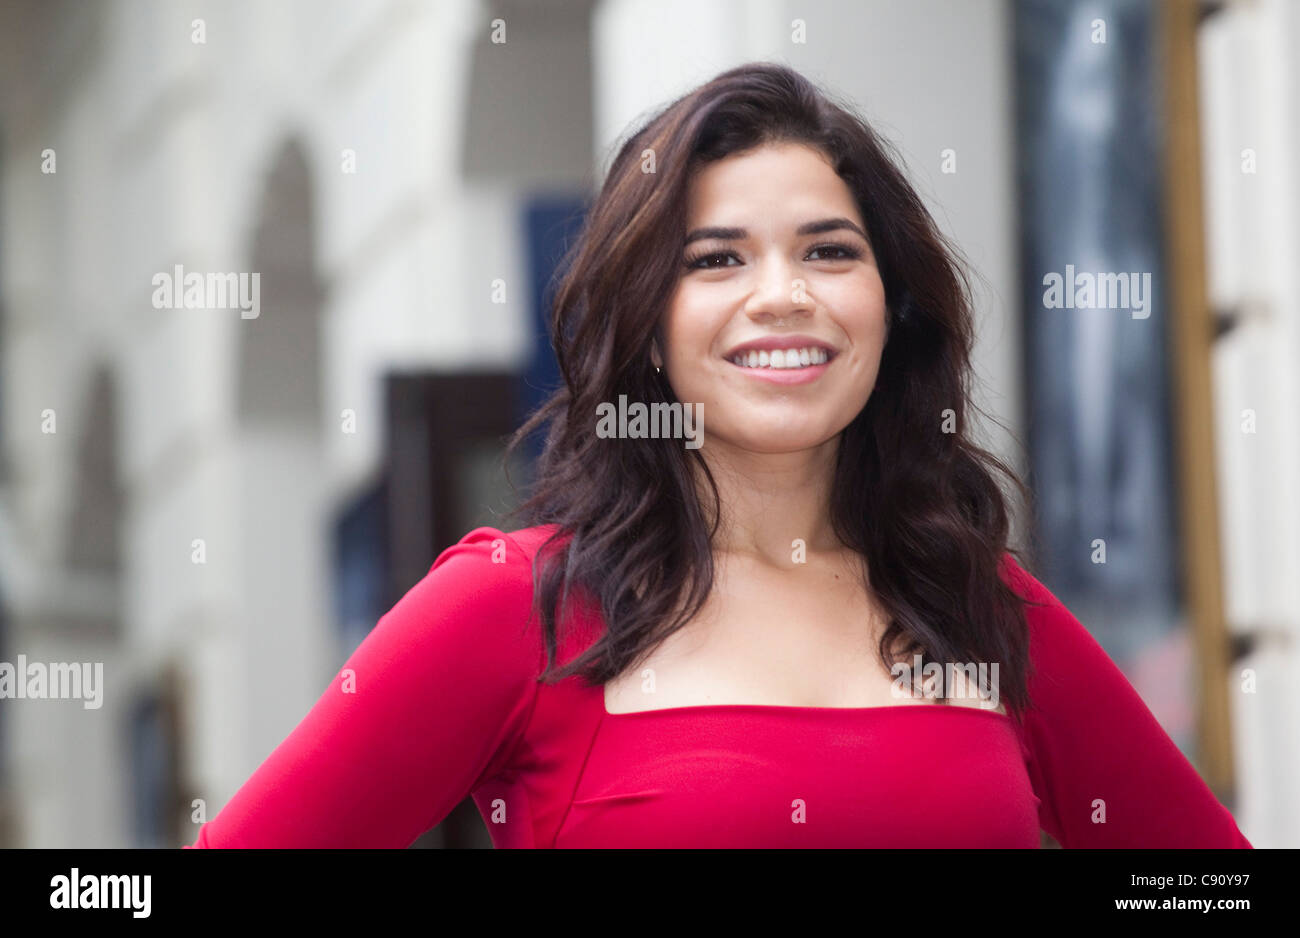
(774,182)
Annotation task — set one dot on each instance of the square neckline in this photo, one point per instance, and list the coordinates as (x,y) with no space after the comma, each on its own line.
(795,708)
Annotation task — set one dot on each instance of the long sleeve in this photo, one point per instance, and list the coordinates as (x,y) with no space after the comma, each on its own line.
(1094,745)
(427,708)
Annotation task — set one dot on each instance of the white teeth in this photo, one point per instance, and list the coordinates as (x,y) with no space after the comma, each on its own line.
(782,358)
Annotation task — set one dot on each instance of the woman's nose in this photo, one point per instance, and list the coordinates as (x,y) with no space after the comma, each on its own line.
(778,290)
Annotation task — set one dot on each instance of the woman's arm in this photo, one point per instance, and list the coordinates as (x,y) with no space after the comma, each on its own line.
(428,706)
(1105,771)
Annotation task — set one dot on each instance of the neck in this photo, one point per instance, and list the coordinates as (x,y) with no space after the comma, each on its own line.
(771,499)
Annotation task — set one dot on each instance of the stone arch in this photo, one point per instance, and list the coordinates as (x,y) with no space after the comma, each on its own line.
(283,626)
(280,350)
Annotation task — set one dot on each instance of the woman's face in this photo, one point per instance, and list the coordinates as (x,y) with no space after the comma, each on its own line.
(767,284)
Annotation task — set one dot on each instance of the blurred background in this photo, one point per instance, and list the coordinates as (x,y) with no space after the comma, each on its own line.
(216,506)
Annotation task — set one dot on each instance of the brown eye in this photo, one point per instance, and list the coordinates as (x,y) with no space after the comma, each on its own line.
(846,252)
(698,262)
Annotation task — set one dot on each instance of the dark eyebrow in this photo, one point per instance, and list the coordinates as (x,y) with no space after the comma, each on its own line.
(812,227)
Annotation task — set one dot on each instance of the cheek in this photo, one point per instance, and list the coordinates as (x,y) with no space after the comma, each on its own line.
(868,299)
(690,324)
(859,308)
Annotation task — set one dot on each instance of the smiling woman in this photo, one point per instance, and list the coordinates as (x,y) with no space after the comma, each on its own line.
(791,288)
(693,646)
(775,222)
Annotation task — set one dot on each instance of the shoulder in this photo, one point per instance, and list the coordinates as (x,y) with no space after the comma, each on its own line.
(1046,615)
(501,547)
(475,602)
(1067,664)
(503,563)
(1019,579)
(488,557)
(458,656)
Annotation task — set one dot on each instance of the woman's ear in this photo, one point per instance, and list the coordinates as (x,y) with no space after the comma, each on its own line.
(655,358)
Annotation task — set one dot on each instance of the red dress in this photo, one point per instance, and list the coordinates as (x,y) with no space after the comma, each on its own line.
(440,701)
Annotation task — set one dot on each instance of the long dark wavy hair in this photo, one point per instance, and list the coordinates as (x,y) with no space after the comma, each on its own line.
(920,505)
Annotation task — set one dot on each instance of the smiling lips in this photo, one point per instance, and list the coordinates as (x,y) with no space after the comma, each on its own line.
(783,366)
(782,359)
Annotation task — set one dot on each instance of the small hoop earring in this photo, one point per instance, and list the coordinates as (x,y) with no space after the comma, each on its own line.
(656,369)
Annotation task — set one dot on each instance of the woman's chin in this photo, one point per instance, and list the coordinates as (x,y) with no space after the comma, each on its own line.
(772,438)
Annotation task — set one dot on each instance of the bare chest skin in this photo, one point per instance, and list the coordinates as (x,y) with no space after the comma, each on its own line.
(802,637)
